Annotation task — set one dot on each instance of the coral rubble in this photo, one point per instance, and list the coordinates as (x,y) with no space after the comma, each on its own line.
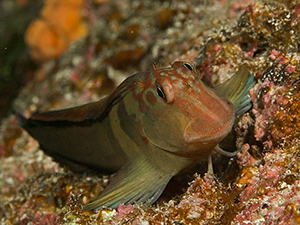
(261,185)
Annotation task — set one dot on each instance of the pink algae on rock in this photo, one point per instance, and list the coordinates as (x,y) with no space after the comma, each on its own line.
(261,185)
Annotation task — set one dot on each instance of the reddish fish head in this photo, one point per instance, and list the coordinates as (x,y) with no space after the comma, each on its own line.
(179,114)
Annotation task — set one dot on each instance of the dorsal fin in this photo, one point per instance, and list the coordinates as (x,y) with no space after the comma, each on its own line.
(92,110)
(168,60)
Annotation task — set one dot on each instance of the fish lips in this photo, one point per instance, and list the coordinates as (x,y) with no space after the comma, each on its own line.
(203,144)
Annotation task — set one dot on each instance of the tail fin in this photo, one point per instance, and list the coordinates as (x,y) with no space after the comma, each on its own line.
(236,90)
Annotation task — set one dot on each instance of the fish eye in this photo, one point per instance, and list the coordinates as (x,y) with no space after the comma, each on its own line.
(188,66)
(164,89)
(160,92)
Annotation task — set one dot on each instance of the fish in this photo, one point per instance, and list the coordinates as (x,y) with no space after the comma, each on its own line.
(154,125)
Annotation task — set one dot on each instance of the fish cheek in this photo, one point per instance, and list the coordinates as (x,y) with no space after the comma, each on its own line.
(162,127)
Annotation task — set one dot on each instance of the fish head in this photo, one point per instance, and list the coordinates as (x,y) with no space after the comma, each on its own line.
(179,114)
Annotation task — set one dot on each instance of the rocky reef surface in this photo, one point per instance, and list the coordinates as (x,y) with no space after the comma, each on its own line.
(261,185)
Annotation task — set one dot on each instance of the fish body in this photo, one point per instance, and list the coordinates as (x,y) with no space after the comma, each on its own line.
(154,125)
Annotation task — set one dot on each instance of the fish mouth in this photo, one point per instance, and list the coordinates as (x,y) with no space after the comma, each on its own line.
(192,138)
(219,133)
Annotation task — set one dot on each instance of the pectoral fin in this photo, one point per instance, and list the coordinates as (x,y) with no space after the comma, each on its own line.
(140,180)
(236,90)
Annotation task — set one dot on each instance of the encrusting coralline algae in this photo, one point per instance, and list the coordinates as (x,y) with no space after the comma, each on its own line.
(260,185)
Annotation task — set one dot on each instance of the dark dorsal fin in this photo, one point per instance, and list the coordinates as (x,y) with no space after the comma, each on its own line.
(75,114)
(88,111)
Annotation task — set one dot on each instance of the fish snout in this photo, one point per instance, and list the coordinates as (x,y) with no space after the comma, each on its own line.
(201,138)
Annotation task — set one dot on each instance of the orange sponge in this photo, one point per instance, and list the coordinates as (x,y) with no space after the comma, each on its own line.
(61,23)
(46,40)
